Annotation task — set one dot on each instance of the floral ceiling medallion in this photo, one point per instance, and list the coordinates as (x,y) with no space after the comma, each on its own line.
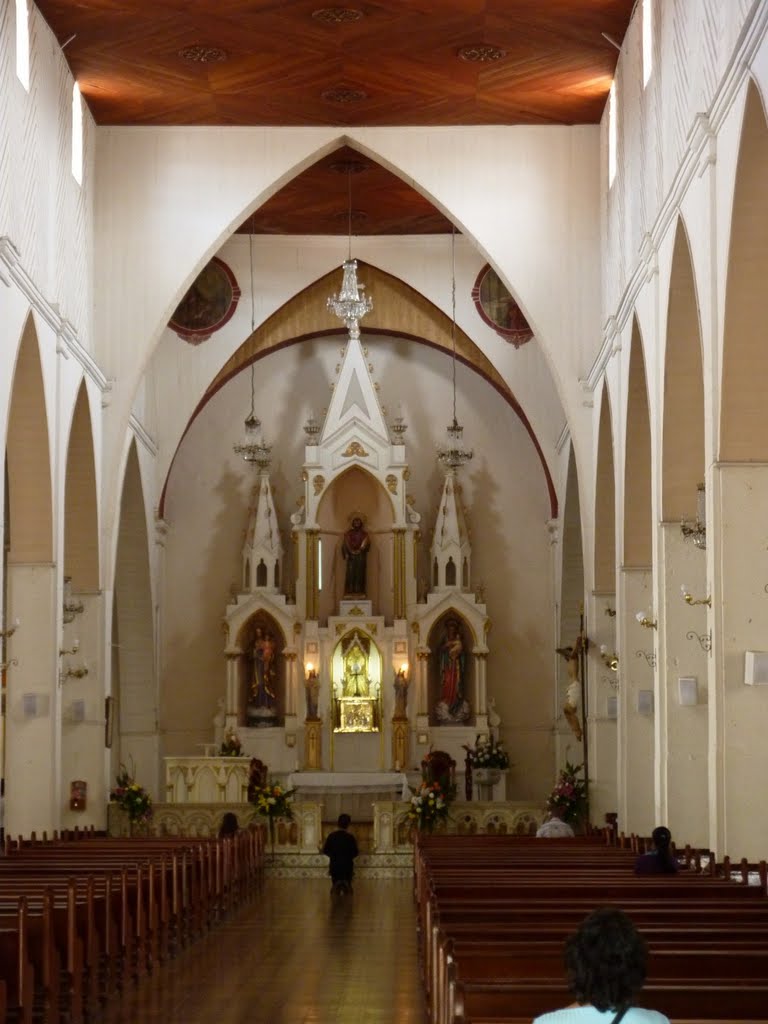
(208,305)
(199,54)
(481,53)
(498,308)
(337,15)
(343,94)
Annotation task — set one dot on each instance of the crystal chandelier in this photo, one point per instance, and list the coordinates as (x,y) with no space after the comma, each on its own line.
(252,446)
(453,455)
(349,305)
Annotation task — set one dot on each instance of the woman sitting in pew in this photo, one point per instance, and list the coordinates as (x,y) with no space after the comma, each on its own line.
(660,860)
(605,964)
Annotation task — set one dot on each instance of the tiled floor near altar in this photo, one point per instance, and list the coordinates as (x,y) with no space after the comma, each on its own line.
(294,956)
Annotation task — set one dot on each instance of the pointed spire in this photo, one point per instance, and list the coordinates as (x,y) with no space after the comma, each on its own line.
(451,550)
(263,550)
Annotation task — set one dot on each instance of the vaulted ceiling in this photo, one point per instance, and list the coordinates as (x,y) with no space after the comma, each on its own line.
(374,62)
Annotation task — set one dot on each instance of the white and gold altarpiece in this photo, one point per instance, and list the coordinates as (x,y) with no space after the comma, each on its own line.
(333,681)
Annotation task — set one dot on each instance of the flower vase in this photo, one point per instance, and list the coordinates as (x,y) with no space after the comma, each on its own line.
(272,838)
(486,779)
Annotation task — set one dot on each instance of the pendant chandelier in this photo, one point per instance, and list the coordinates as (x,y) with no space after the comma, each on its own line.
(453,455)
(252,447)
(350,305)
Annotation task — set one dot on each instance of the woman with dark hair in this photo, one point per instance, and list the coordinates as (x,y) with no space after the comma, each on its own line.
(605,965)
(229,825)
(660,860)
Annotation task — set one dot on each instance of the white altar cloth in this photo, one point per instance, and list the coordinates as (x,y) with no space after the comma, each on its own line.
(351,792)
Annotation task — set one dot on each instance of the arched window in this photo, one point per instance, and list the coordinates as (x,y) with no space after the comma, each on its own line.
(261,574)
(450,573)
(77,134)
(22,42)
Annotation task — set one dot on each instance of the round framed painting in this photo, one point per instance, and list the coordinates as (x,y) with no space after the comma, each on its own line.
(498,309)
(208,305)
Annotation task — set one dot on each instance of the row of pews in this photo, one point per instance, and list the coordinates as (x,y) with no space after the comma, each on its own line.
(81,916)
(494,913)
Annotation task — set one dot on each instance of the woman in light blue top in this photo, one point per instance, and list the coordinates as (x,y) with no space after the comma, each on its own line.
(605,963)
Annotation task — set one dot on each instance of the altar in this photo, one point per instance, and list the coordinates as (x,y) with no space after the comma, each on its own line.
(353,793)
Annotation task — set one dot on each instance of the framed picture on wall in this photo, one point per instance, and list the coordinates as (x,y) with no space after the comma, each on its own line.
(109,720)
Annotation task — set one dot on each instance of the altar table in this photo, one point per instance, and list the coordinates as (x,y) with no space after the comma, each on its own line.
(353,793)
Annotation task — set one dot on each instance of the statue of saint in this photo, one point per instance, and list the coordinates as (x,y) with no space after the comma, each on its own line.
(452,663)
(401,695)
(262,686)
(354,550)
(312,687)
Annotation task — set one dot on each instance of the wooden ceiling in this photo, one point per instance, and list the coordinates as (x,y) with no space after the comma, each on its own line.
(373,62)
(383,62)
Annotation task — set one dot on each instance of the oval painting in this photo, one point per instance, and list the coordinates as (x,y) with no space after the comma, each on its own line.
(208,305)
(498,309)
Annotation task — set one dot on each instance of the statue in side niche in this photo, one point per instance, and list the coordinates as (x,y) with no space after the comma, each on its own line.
(354,550)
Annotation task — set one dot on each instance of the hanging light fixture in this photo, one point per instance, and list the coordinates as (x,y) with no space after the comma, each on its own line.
(350,305)
(253,447)
(454,455)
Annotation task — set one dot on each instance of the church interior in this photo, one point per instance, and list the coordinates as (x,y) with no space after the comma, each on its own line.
(378,381)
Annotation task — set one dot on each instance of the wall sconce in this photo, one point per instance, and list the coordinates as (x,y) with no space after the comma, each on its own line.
(697,530)
(403,670)
(646,622)
(73,650)
(650,657)
(5,633)
(704,639)
(4,665)
(689,599)
(611,660)
(611,613)
(70,608)
(72,673)
(310,670)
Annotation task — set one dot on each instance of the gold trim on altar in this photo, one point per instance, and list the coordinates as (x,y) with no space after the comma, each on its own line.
(357,714)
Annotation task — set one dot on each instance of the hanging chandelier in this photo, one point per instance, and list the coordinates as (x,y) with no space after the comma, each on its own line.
(252,446)
(350,305)
(453,455)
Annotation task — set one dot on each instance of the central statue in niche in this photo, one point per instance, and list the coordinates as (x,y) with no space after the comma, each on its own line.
(354,550)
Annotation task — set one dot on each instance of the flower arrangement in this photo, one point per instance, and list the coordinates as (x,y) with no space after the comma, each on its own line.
(429,806)
(569,797)
(131,797)
(231,745)
(487,753)
(272,801)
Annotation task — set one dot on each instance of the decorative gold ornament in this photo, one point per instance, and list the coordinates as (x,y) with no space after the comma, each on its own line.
(392,483)
(407,473)
(354,448)
(318,483)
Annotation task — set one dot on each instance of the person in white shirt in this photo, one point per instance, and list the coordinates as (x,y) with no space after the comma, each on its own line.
(554,827)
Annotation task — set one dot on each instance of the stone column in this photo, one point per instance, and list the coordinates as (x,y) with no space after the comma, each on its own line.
(684,642)
(398,573)
(233,684)
(310,574)
(637,653)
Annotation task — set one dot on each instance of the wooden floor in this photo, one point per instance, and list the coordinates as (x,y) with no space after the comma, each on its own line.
(294,956)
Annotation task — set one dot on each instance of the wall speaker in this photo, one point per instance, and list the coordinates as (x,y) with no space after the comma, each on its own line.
(612,707)
(756,668)
(34,705)
(77,710)
(645,702)
(688,691)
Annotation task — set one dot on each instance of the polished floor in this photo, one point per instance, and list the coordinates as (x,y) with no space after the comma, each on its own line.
(294,956)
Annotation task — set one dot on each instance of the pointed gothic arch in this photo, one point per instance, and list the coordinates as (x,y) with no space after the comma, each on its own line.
(743,423)
(605,501)
(81,519)
(638,518)
(683,410)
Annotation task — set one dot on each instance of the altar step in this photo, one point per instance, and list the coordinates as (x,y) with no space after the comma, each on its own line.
(315,865)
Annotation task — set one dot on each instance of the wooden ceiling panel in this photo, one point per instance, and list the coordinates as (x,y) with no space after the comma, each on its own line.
(280,60)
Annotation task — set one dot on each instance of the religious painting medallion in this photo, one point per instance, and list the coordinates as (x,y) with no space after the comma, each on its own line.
(208,305)
(498,309)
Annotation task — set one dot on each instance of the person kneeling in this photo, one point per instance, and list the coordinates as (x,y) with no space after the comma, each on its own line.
(341,849)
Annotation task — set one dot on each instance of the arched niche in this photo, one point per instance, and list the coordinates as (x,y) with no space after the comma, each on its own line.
(356,674)
(444,691)
(81,524)
(28,458)
(683,430)
(262,642)
(356,492)
(572,576)
(743,430)
(133,639)
(637,463)
(605,502)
